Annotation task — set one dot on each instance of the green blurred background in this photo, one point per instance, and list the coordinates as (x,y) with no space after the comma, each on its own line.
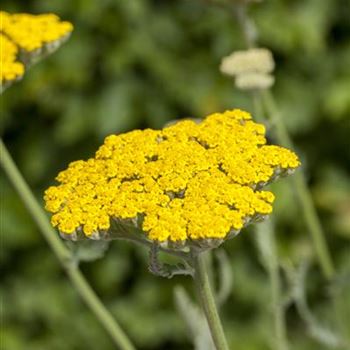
(141,63)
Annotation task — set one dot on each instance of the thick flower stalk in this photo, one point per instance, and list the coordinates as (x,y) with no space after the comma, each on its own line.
(187,185)
(25,38)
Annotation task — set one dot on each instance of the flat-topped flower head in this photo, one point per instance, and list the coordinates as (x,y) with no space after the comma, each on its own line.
(189,183)
(25,38)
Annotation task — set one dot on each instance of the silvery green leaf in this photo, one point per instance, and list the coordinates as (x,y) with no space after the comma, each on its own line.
(88,250)
(194,319)
(225,277)
(316,329)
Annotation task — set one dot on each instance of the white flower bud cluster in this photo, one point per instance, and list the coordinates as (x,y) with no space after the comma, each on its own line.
(251,68)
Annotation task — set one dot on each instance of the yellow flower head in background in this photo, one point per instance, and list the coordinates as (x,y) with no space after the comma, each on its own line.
(187,183)
(25,38)
(10,68)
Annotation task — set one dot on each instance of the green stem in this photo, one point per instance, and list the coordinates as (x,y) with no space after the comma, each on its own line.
(248,27)
(268,247)
(257,106)
(302,190)
(266,241)
(303,193)
(201,280)
(278,311)
(62,253)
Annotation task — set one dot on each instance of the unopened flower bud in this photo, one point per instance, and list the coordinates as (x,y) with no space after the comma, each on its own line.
(257,60)
(254,81)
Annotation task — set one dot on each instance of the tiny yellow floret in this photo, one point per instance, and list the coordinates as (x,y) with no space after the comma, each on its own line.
(10,68)
(187,182)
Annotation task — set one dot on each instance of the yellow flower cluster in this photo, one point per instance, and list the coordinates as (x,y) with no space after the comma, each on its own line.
(186,182)
(27,36)
(32,32)
(10,68)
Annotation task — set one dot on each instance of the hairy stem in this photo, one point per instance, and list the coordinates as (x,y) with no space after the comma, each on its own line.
(258,107)
(266,242)
(247,26)
(276,290)
(303,193)
(201,280)
(62,253)
(267,245)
